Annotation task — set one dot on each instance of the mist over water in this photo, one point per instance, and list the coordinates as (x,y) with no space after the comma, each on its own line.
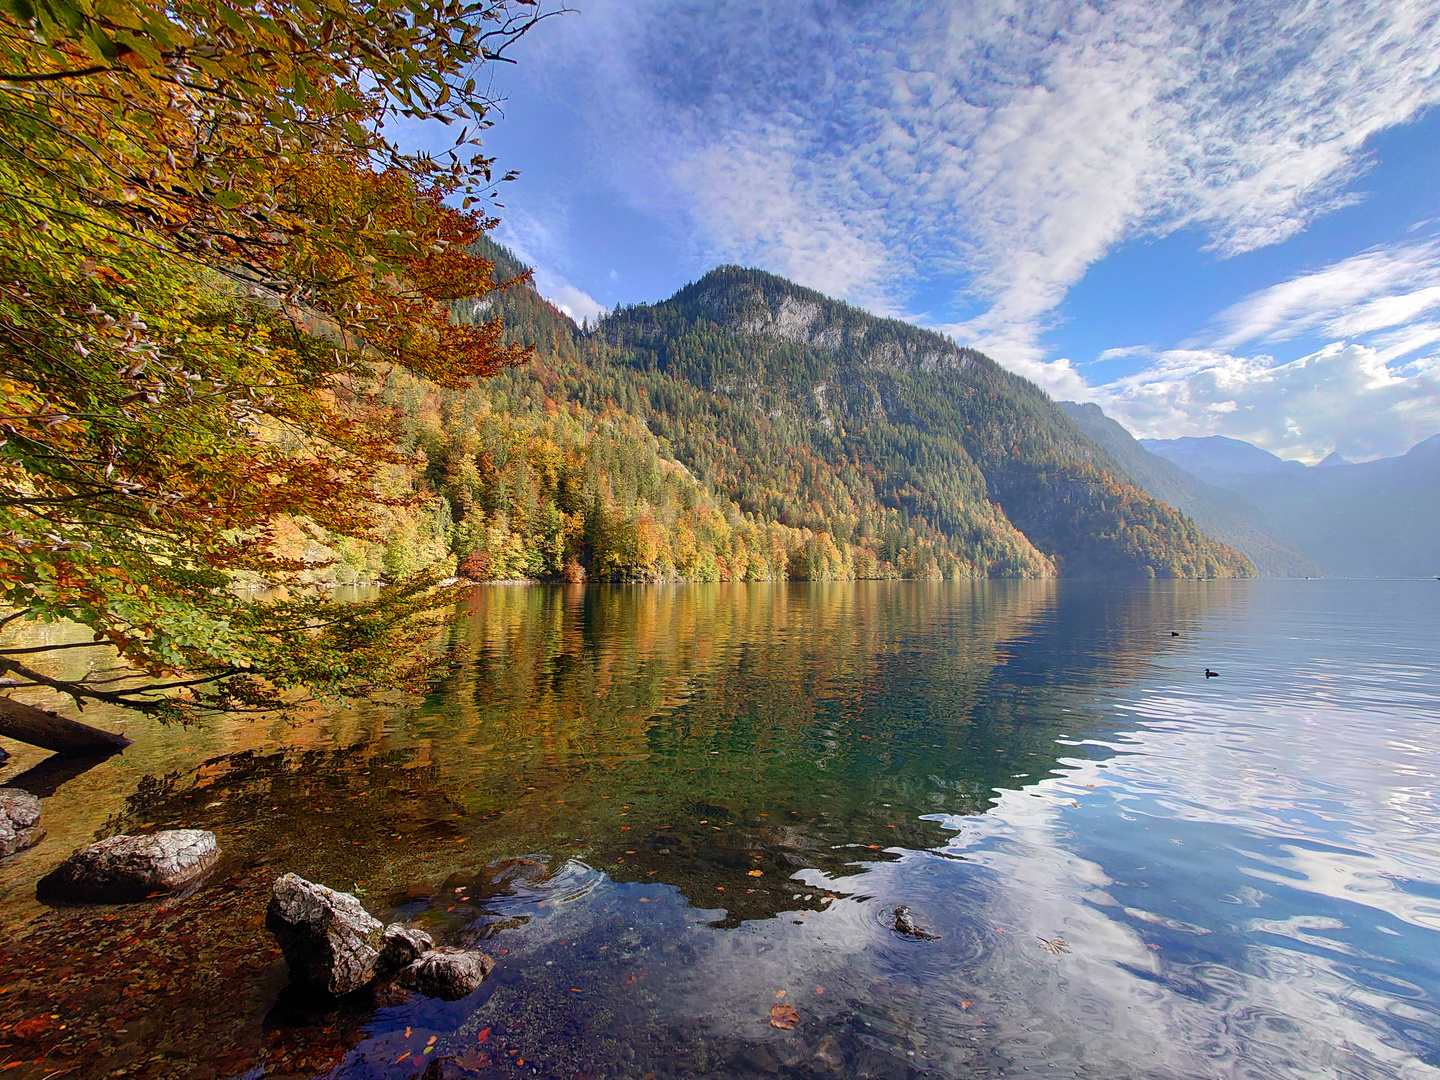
(661,806)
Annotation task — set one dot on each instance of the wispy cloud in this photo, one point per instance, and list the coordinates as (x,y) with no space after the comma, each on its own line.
(1358,394)
(1380,290)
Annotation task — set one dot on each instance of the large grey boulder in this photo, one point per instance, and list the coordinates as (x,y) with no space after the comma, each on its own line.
(447,973)
(330,941)
(19,818)
(125,868)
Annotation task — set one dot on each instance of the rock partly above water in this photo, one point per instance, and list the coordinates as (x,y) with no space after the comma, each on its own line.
(19,818)
(330,941)
(447,973)
(905,923)
(332,944)
(400,945)
(126,868)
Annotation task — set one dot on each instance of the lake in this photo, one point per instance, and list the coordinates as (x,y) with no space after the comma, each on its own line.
(675,813)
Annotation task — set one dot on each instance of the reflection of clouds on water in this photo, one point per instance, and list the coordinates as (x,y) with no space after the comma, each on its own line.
(1364,835)
(1268,1010)
(1270,835)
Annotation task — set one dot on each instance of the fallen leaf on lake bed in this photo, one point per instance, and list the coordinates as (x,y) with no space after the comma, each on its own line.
(26,1029)
(784,1017)
(967,1003)
(779,994)
(1055,945)
(756,873)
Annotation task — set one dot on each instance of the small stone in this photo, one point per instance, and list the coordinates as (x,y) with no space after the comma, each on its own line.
(905,924)
(19,817)
(125,868)
(828,1053)
(446,973)
(330,941)
(401,944)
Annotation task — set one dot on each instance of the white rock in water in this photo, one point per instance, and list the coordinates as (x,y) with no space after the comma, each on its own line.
(330,941)
(19,817)
(124,868)
(447,973)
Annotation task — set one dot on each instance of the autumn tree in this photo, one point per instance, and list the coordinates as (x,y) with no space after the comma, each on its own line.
(210,248)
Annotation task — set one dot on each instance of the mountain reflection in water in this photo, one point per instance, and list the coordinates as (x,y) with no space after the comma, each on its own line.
(660,806)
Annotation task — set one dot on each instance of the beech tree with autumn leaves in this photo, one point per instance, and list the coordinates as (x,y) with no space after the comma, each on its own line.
(210,250)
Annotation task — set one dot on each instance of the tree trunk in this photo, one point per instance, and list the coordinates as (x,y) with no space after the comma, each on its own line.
(37,727)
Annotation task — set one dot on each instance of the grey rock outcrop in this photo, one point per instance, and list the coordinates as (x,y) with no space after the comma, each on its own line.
(330,941)
(446,973)
(906,924)
(125,868)
(19,821)
(400,945)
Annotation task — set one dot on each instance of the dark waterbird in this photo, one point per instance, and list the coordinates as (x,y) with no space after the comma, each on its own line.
(1174,633)
(1211,674)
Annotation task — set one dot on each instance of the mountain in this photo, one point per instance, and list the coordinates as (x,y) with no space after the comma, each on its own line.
(1372,519)
(874,448)
(1221,513)
(750,377)
(1221,461)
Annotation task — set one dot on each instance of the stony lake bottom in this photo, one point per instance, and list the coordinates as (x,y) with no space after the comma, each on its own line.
(666,810)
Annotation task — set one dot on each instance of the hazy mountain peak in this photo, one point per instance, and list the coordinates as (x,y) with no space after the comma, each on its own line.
(1425,448)
(1333,459)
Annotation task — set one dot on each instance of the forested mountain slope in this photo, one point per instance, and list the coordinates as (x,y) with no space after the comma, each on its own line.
(1221,513)
(894,451)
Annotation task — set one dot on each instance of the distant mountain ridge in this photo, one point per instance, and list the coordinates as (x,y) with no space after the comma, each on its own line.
(1372,519)
(1221,513)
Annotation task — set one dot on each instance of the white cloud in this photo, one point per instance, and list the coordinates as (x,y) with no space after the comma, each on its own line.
(1352,395)
(1343,397)
(576,303)
(1375,290)
(539,244)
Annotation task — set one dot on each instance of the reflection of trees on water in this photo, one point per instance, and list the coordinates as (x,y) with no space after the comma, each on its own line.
(696,735)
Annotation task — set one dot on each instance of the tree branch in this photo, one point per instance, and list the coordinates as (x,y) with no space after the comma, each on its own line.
(50,76)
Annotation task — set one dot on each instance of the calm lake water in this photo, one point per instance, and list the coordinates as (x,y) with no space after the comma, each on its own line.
(667,810)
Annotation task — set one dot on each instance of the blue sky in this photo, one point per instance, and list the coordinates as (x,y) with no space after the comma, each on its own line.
(1209,218)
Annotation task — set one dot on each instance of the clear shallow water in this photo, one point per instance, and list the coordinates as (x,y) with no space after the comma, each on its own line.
(1133,871)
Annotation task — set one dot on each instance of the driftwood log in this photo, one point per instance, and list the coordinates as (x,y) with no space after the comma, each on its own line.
(38,727)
